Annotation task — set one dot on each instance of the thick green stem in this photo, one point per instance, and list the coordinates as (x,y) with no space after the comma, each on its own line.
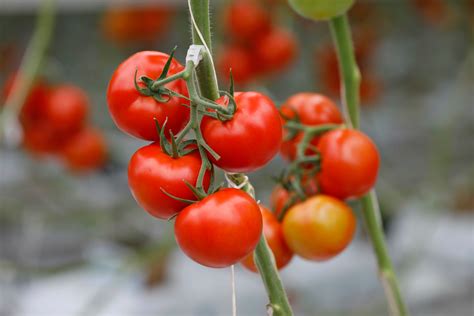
(340,30)
(279,305)
(30,64)
(201,31)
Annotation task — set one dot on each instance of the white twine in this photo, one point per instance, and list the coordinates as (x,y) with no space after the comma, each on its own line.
(201,37)
(234,300)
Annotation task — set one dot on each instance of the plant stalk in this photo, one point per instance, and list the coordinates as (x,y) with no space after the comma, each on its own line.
(30,65)
(350,74)
(207,80)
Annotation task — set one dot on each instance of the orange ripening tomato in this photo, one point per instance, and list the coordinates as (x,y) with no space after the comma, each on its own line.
(273,232)
(85,151)
(319,228)
(246,19)
(136,24)
(275,49)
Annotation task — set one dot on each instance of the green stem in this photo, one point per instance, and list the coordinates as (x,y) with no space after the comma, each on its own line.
(207,80)
(30,64)
(340,30)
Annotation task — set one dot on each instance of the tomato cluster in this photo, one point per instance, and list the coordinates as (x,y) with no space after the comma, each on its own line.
(173,176)
(54,122)
(256,47)
(329,163)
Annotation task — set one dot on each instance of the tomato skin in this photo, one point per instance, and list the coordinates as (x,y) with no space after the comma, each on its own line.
(239,59)
(350,163)
(133,112)
(236,140)
(246,19)
(273,232)
(319,228)
(275,49)
(85,151)
(41,141)
(221,229)
(279,198)
(66,109)
(312,109)
(321,9)
(150,169)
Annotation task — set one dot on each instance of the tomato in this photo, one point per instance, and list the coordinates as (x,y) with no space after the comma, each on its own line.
(66,109)
(85,151)
(221,229)
(240,60)
(433,11)
(34,104)
(42,141)
(151,170)
(319,228)
(136,24)
(133,112)
(280,196)
(246,19)
(250,139)
(321,9)
(273,232)
(275,50)
(349,165)
(312,109)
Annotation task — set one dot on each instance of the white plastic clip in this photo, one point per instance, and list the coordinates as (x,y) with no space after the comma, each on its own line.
(195,54)
(233,185)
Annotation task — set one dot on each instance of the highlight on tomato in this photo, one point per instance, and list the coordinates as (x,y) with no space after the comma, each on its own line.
(349,163)
(319,228)
(310,109)
(250,139)
(273,233)
(153,176)
(134,112)
(221,229)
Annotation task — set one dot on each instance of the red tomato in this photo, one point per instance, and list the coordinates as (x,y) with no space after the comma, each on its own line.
(85,151)
(133,112)
(246,19)
(312,109)
(433,11)
(275,50)
(273,232)
(151,170)
(136,24)
(41,141)
(65,109)
(239,59)
(33,107)
(319,228)
(250,139)
(350,163)
(220,230)
(280,196)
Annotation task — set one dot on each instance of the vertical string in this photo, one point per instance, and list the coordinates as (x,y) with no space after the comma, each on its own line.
(234,300)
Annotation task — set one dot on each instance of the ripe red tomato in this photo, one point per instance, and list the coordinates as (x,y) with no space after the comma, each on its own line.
(273,232)
(319,228)
(136,24)
(85,151)
(275,49)
(42,141)
(350,163)
(65,109)
(250,139)
(221,229)
(34,104)
(239,59)
(133,112)
(280,196)
(151,170)
(246,19)
(312,109)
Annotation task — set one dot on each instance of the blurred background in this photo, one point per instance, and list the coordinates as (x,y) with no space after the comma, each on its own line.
(75,243)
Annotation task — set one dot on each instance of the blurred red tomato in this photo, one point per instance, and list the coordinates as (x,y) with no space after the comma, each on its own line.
(85,151)
(275,49)
(240,60)
(246,19)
